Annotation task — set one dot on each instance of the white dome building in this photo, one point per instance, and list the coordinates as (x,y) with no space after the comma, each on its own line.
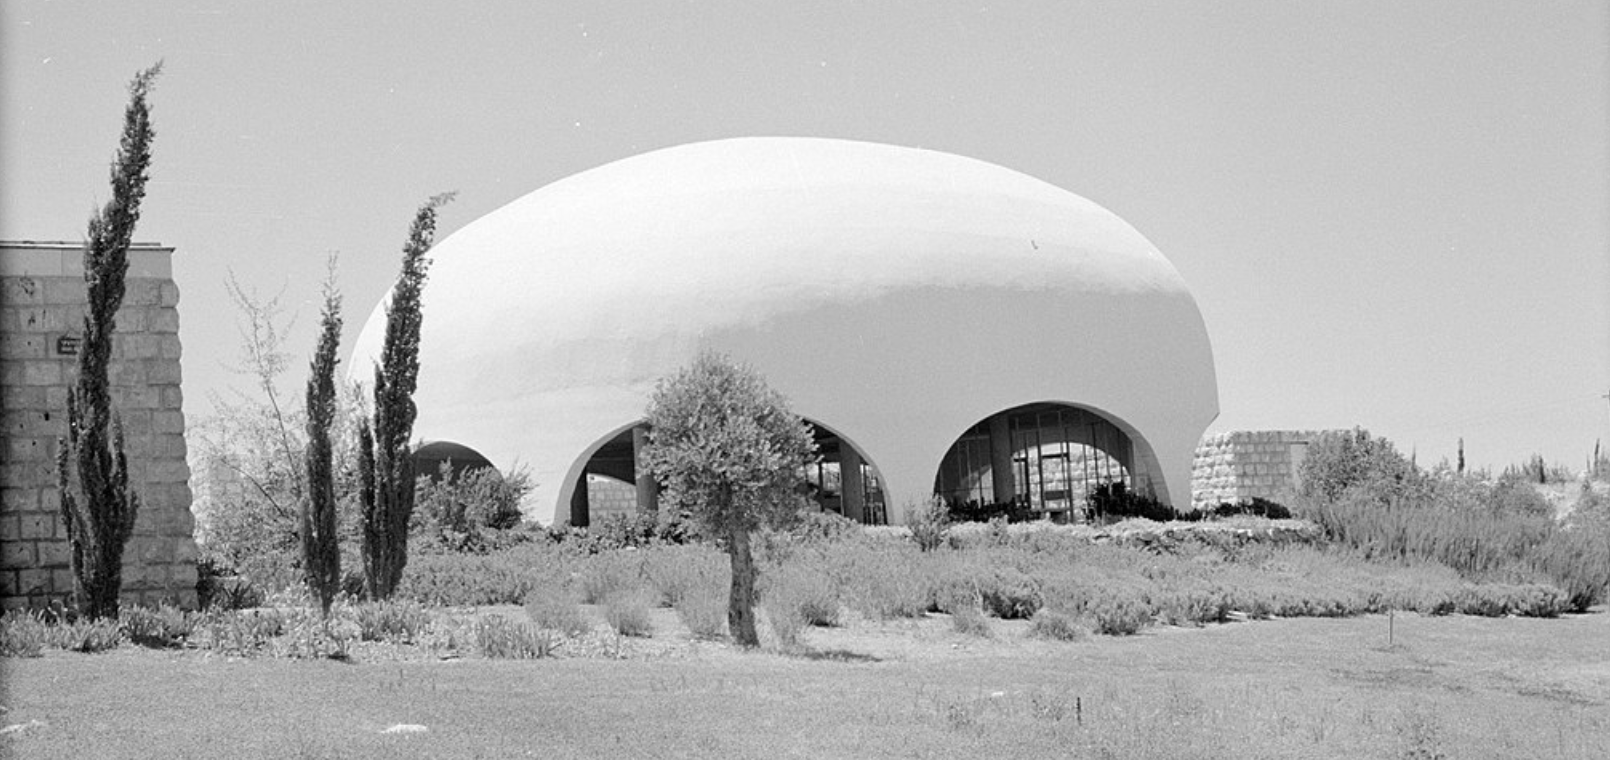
(948,325)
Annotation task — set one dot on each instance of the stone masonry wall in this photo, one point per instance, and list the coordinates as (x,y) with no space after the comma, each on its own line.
(42,296)
(1243,464)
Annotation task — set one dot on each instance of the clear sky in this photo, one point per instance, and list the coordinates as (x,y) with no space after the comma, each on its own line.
(1392,214)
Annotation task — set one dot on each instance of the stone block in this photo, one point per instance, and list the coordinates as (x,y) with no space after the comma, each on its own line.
(8,583)
(61,581)
(14,499)
(168,471)
(54,554)
(64,291)
(169,294)
(164,322)
(19,449)
(10,527)
(170,347)
(140,346)
(18,397)
(136,397)
(39,371)
(142,292)
(163,372)
(36,525)
(17,554)
(127,374)
(172,397)
(33,581)
(168,421)
(21,291)
(22,346)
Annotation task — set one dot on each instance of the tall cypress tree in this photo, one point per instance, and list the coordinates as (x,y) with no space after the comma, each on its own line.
(388,486)
(98,507)
(321,553)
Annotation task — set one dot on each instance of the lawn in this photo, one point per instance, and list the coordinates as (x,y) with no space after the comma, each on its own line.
(1450,686)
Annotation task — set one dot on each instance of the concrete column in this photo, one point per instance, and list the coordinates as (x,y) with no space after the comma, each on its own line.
(648,490)
(578,503)
(1002,478)
(851,485)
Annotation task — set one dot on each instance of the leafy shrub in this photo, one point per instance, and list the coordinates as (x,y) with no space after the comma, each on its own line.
(240,632)
(1340,461)
(1057,626)
(609,573)
(555,610)
(88,636)
(22,634)
(704,612)
(627,612)
(807,592)
(467,580)
(496,637)
(1578,560)
(1118,615)
(969,619)
(1114,501)
(786,621)
(929,523)
(164,627)
(397,620)
(677,571)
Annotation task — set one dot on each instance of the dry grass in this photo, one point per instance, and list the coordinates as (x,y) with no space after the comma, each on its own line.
(1446,686)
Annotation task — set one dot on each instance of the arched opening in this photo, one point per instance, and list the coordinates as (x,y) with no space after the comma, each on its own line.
(432,456)
(1043,460)
(605,479)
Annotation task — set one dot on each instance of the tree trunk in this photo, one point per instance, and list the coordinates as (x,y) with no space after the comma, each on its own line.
(741,605)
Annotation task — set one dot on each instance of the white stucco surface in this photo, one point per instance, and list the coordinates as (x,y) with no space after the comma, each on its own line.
(896,295)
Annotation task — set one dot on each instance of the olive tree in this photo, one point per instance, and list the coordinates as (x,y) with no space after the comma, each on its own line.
(729,451)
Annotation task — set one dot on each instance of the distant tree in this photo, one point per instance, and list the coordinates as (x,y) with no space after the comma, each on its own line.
(1343,460)
(730,452)
(387,473)
(321,550)
(98,506)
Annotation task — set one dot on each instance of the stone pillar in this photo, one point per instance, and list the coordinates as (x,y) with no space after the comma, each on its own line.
(648,490)
(852,486)
(41,325)
(1002,478)
(578,503)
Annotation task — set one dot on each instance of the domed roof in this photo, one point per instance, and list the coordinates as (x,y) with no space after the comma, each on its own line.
(581,294)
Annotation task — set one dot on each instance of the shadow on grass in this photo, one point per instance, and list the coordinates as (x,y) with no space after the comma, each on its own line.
(832,655)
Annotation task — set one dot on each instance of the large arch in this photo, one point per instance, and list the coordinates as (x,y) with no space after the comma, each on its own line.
(1044,458)
(843,481)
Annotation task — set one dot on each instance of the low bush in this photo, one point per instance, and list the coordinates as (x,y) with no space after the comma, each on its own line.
(401,621)
(970,620)
(678,571)
(89,636)
(607,574)
(22,634)
(929,523)
(787,624)
(805,590)
(160,628)
(497,637)
(554,609)
(1577,558)
(627,612)
(1057,626)
(1118,615)
(704,612)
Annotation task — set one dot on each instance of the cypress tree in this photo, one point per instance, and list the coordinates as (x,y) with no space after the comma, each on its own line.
(98,507)
(388,484)
(321,554)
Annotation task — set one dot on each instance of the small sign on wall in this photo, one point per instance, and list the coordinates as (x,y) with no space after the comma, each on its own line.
(67,345)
